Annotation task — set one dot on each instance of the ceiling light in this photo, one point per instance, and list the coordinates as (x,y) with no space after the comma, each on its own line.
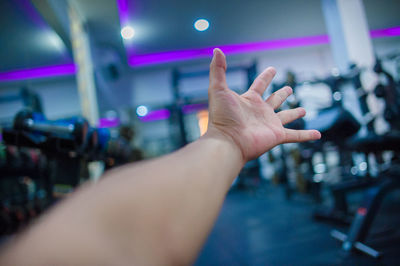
(127,32)
(142,110)
(201,24)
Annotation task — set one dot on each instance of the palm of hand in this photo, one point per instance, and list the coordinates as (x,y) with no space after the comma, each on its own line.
(247,119)
(251,123)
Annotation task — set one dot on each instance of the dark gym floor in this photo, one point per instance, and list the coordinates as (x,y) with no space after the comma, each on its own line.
(262,228)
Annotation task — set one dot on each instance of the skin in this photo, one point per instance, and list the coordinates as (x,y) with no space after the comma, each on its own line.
(159,212)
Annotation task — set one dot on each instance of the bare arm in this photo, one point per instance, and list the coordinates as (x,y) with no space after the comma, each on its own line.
(160,212)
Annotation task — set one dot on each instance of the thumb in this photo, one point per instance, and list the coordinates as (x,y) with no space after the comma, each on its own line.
(217,70)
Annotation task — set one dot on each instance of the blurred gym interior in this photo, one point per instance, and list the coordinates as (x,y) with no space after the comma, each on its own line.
(89,85)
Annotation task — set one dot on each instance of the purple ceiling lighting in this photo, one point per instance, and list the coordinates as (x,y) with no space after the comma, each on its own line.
(108,122)
(39,72)
(155,115)
(164,57)
(123,12)
(388,32)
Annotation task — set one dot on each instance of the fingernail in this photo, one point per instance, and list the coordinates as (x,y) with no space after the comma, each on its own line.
(217,49)
(318,134)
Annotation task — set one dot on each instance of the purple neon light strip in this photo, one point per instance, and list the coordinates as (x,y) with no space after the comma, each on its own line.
(39,72)
(155,115)
(171,56)
(388,32)
(123,9)
(106,122)
(164,57)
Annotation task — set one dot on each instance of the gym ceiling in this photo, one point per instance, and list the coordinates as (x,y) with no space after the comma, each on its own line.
(30,38)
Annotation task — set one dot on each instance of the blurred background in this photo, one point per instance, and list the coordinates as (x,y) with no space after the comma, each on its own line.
(87,85)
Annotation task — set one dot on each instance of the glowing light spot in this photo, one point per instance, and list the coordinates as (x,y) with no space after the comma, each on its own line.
(142,110)
(127,32)
(201,24)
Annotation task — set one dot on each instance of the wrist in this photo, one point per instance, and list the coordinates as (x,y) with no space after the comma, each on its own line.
(227,141)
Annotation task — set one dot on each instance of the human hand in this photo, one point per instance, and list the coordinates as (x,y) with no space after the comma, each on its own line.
(247,120)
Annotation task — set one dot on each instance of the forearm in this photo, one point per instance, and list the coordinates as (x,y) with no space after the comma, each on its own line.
(173,200)
(157,212)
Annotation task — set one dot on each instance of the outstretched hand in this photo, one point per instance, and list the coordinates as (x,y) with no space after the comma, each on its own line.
(247,120)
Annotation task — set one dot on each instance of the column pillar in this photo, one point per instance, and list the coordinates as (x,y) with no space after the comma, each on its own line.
(83,59)
(348,31)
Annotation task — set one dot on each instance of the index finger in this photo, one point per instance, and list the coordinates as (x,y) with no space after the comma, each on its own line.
(263,80)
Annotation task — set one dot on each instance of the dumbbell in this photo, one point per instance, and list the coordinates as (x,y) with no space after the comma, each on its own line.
(76,129)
